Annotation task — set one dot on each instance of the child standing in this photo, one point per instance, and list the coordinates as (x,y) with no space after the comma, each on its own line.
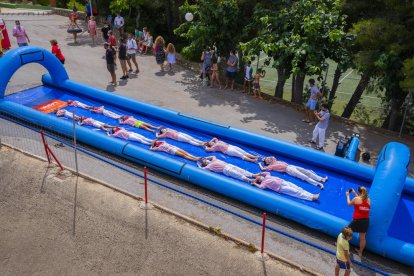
(56,51)
(343,260)
(215,71)
(92,29)
(170,55)
(248,77)
(256,83)
(320,128)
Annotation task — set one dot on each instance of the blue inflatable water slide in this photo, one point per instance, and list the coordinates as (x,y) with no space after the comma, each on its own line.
(391,231)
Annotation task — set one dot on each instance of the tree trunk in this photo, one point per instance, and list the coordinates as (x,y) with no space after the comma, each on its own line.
(281,80)
(297,90)
(293,87)
(169,17)
(137,20)
(335,84)
(356,96)
(394,113)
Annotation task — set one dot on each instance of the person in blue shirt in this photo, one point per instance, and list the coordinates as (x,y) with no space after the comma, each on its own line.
(320,128)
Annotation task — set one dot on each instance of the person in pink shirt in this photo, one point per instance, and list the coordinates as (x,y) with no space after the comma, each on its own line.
(79,104)
(107,113)
(179,136)
(213,164)
(266,181)
(20,34)
(92,29)
(130,120)
(95,123)
(122,133)
(272,164)
(67,114)
(217,145)
(173,150)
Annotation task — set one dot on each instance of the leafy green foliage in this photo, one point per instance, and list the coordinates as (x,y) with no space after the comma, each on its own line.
(79,6)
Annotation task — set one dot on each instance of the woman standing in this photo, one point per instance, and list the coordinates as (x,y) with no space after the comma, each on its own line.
(5,42)
(122,55)
(215,72)
(92,29)
(360,219)
(56,51)
(159,46)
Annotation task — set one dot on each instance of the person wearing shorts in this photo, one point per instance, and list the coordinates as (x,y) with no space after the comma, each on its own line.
(94,123)
(217,145)
(265,181)
(123,58)
(122,133)
(110,56)
(213,164)
(231,69)
(343,260)
(272,164)
(131,121)
(79,104)
(173,150)
(132,49)
(107,113)
(310,106)
(179,136)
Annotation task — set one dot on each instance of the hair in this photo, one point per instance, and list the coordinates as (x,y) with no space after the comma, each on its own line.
(53,42)
(325,105)
(159,41)
(312,81)
(92,17)
(122,39)
(144,29)
(347,232)
(362,191)
(170,48)
(109,32)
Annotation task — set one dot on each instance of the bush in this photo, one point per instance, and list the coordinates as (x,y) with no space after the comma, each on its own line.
(79,6)
(42,2)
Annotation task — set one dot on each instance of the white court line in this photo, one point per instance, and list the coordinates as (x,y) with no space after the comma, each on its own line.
(346,76)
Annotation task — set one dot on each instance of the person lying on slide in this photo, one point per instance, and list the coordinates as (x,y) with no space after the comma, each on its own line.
(65,113)
(79,104)
(217,145)
(122,133)
(130,120)
(179,136)
(272,164)
(107,113)
(213,164)
(266,181)
(173,150)
(95,123)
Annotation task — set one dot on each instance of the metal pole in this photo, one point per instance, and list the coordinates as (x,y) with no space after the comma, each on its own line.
(408,102)
(145,185)
(77,172)
(263,231)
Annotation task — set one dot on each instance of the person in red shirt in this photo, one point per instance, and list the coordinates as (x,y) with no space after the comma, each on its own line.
(360,219)
(56,51)
(112,39)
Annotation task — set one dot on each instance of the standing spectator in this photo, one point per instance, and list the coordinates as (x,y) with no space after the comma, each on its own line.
(159,46)
(122,55)
(56,51)
(138,34)
(92,29)
(5,43)
(20,34)
(311,104)
(112,39)
(256,83)
(343,260)
(73,26)
(109,20)
(215,71)
(320,128)
(170,56)
(231,69)
(248,78)
(88,11)
(206,56)
(360,219)
(132,49)
(110,56)
(148,43)
(105,32)
(119,24)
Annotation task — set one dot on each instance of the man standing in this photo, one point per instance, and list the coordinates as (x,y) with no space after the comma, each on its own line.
(105,30)
(320,128)
(311,104)
(132,49)
(110,56)
(231,69)
(20,34)
(119,24)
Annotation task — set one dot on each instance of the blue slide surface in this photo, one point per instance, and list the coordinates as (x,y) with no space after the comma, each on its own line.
(391,230)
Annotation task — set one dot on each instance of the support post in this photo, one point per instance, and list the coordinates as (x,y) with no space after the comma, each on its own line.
(263,232)
(45,145)
(145,185)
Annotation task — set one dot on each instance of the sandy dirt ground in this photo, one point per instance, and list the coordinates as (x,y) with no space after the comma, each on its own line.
(36,219)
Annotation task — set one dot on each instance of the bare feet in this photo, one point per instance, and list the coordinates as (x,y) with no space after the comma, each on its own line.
(315,197)
(321,185)
(323,180)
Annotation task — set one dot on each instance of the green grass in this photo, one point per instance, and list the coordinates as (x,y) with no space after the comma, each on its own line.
(22,6)
(368,111)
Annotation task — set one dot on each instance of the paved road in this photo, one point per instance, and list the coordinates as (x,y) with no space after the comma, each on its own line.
(181,91)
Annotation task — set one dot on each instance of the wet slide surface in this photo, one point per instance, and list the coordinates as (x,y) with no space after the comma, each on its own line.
(332,199)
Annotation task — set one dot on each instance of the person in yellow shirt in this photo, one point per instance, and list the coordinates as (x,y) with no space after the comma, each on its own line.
(343,260)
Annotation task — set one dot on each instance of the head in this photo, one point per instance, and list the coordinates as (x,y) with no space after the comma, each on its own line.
(106,45)
(69,101)
(82,118)
(162,130)
(122,40)
(92,17)
(249,63)
(362,192)
(145,29)
(53,42)
(160,41)
(17,23)
(324,107)
(171,48)
(311,82)
(204,162)
(232,52)
(55,111)
(207,49)
(268,160)
(116,129)
(118,14)
(129,35)
(347,233)
(259,179)
(110,33)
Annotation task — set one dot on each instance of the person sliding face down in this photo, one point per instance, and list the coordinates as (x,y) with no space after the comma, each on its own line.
(122,133)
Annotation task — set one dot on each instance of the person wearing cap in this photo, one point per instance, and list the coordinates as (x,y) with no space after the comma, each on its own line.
(122,133)
(19,32)
(173,150)
(266,181)
(94,123)
(79,104)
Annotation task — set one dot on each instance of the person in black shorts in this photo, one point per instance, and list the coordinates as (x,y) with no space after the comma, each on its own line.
(122,55)
(110,56)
